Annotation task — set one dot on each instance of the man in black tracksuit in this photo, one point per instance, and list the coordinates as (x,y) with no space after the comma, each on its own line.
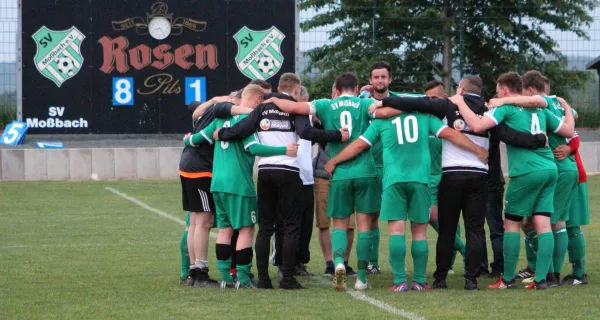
(279,183)
(464,181)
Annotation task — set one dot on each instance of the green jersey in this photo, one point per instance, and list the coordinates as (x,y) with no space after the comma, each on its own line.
(352,113)
(377,149)
(554,140)
(534,121)
(435,153)
(233,164)
(405,140)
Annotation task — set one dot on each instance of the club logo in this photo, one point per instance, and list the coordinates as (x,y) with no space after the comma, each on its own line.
(259,52)
(58,54)
(459,124)
(265,124)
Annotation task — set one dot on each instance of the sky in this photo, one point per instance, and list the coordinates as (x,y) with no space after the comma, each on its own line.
(569,44)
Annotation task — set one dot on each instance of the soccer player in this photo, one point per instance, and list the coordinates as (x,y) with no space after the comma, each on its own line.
(407,169)
(354,185)
(533,176)
(567,181)
(233,190)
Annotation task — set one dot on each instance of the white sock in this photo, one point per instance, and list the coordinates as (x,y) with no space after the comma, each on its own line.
(201,264)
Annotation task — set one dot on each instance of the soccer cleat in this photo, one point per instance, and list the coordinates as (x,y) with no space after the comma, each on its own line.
(526,273)
(203,280)
(264,284)
(329,272)
(471,285)
(542,285)
(403,287)
(528,280)
(419,287)
(360,286)
(301,271)
(339,278)
(439,284)
(226,285)
(292,284)
(350,272)
(191,279)
(373,269)
(501,284)
(573,280)
(553,280)
(239,285)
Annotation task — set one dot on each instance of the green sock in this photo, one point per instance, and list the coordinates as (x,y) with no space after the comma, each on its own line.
(530,238)
(339,243)
(398,257)
(544,255)
(459,245)
(375,239)
(185,256)
(243,273)
(363,250)
(511,246)
(420,254)
(435,225)
(561,243)
(224,266)
(576,251)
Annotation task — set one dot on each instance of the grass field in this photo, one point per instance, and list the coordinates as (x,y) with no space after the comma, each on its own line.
(79,251)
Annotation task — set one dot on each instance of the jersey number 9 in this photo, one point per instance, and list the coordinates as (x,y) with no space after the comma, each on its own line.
(346,121)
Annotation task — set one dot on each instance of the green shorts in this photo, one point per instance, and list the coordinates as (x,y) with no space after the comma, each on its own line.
(235,211)
(380,177)
(580,214)
(406,198)
(566,185)
(346,196)
(531,192)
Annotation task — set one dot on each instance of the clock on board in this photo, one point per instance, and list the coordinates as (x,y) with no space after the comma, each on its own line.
(159,28)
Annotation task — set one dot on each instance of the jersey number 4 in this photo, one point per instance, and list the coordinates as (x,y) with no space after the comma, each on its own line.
(535,124)
(410,132)
(225,144)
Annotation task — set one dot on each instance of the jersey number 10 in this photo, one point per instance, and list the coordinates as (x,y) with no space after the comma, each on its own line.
(411,129)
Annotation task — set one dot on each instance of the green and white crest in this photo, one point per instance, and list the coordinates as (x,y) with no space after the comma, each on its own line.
(58,55)
(259,52)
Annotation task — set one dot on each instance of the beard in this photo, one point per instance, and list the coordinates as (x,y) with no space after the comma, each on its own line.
(380,90)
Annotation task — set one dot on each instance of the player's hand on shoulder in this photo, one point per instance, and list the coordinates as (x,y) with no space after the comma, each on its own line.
(345,134)
(329,168)
(482,155)
(222,99)
(457,99)
(271,100)
(375,105)
(561,152)
(494,103)
(368,88)
(291,150)
(216,134)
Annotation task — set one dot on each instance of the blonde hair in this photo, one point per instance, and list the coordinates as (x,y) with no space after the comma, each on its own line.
(252,90)
(288,81)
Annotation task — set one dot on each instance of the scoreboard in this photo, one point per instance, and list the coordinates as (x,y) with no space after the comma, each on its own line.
(132,66)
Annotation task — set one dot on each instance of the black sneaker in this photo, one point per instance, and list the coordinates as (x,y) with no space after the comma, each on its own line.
(291,284)
(553,279)
(439,284)
(526,273)
(542,285)
(203,280)
(573,280)
(191,279)
(350,272)
(471,284)
(250,285)
(494,274)
(264,284)
(329,271)
(301,271)
(371,269)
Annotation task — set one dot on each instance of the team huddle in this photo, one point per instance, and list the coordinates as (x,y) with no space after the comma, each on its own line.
(395,157)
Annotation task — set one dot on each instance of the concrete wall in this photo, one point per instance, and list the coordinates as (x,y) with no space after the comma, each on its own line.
(141,163)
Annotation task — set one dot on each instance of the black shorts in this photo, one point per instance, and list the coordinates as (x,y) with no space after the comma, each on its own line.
(196,196)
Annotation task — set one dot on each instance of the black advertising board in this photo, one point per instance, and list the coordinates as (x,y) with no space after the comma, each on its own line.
(132,66)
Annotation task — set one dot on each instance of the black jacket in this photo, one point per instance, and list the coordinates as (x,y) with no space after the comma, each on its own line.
(444,108)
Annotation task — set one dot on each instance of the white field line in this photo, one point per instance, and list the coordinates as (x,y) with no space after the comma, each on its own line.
(86,245)
(353,293)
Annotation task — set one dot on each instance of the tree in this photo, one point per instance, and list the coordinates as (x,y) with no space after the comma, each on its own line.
(427,39)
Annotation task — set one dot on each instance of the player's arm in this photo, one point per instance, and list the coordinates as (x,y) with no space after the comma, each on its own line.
(385,112)
(245,128)
(251,145)
(567,129)
(228,109)
(348,153)
(204,136)
(463,142)
(290,106)
(202,108)
(475,123)
(518,138)
(308,132)
(536,101)
(435,107)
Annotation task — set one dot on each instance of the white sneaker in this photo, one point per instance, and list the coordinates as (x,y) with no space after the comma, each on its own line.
(339,277)
(360,286)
